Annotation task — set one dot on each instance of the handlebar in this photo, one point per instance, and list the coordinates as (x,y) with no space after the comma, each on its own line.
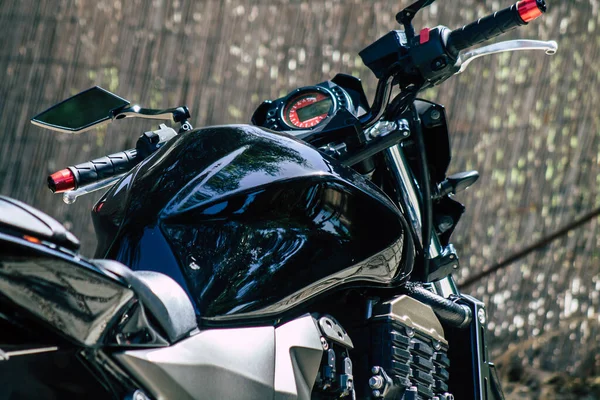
(92,171)
(520,13)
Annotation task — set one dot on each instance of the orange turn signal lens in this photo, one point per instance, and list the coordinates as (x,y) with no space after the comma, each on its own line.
(32,239)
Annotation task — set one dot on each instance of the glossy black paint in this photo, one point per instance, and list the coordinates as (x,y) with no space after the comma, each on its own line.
(17,218)
(436,137)
(252,223)
(59,374)
(58,291)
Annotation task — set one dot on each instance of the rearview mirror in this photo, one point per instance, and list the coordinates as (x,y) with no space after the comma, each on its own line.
(81,112)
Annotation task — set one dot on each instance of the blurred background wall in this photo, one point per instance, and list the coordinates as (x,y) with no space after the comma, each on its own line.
(528,122)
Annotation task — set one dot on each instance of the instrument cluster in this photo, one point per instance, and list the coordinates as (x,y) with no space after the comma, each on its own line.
(304,109)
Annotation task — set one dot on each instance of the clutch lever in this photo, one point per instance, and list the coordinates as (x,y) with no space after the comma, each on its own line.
(71,196)
(464,59)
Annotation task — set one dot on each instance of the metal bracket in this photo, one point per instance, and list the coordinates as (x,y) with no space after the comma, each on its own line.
(332,330)
(443,265)
(406,16)
(6,355)
(178,114)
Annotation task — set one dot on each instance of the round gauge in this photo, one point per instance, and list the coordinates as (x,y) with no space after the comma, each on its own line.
(307,109)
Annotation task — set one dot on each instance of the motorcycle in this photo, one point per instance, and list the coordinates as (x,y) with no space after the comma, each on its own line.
(304,256)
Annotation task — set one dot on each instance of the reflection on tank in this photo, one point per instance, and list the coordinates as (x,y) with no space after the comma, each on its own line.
(257,222)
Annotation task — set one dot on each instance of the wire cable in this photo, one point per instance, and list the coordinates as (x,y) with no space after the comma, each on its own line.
(530,249)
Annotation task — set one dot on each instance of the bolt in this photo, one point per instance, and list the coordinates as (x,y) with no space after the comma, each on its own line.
(410,332)
(481,316)
(376,393)
(435,114)
(375,370)
(437,345)
(405,133)
(455,266)
(376,382)
(324,343)
(139,395)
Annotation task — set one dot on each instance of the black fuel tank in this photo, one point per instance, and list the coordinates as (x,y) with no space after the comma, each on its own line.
(252,222)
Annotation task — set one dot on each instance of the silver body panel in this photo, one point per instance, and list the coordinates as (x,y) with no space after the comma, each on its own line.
(241,363)
(414,314)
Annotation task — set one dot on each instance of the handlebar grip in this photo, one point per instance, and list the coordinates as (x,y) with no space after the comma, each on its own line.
(520,13)
(92,171)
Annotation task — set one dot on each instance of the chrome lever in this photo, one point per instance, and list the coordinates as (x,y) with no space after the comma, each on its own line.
(550,47)
(71,196)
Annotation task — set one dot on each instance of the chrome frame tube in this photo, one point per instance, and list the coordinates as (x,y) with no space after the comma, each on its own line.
(408,199)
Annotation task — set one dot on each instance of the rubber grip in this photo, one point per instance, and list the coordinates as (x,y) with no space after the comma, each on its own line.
(449,312)
(104,167)
(484,29)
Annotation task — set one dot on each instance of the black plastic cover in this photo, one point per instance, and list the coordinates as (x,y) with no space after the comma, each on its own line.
(161,296)
(385,52)
(18,218)
(60,291)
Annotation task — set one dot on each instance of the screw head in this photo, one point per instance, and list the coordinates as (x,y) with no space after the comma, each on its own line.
(375,370)
(435,114)
(376,393)
(139,395)
(376,382)
(481,316)
(410,331)
(324,343)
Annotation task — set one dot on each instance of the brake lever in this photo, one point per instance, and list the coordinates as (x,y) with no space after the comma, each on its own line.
(464,59)
(71,196)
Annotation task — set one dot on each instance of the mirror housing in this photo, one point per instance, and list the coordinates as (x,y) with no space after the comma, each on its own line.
(86,110)
(96,106)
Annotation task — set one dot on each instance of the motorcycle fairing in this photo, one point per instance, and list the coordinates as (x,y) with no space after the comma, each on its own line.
(252,222)
(49,293)
(21,219)
(258,362)
(75,299)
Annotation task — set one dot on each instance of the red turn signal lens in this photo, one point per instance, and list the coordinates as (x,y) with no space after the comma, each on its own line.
(531,9)
(61,181)
(424,36)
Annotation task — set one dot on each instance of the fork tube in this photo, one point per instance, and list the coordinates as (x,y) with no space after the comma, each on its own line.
(405,187)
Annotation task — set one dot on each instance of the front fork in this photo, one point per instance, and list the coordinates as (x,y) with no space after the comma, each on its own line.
(472,376)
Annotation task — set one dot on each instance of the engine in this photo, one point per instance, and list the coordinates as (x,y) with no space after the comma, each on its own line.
(401,354)
(409,355)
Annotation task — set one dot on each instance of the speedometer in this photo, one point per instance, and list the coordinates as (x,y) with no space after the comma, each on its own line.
(307,109)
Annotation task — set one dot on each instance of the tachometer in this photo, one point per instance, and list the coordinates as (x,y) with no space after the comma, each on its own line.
(307,109)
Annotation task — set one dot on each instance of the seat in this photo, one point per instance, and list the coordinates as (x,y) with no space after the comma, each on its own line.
(161,296)
(17,218)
